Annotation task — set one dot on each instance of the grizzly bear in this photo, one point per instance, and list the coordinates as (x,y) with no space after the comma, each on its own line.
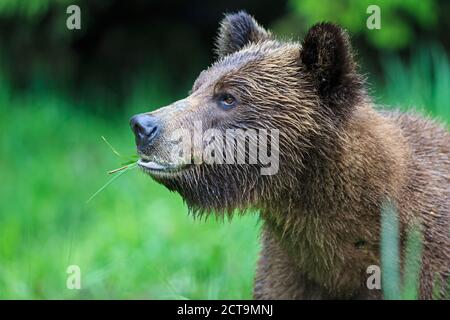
(340,159)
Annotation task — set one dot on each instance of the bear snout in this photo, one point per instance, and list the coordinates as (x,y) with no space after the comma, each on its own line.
(146,129)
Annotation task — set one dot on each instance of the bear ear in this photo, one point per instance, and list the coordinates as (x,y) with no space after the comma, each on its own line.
(237,30)
(327,55)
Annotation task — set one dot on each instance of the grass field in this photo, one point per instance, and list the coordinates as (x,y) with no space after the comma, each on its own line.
(135,239)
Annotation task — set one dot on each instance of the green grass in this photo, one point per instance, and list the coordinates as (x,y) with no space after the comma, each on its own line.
(395,286)
(135,238)
(422,83)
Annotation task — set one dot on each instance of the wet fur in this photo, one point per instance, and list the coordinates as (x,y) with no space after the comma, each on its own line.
(340,159)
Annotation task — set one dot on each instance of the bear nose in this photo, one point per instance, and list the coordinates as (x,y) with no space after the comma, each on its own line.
(145,128)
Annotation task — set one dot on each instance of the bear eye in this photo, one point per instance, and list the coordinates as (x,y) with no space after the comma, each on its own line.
(227,101)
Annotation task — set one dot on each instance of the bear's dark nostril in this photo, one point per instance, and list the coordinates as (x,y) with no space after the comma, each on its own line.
(145,128)
(153,132)
(137,129)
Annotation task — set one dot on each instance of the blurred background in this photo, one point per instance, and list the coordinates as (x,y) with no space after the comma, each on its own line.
(61,90)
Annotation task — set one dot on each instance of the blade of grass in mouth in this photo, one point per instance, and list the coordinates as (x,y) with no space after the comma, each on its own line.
(128,163)
(111,181)
(125,160)
(121,168)
(111,147)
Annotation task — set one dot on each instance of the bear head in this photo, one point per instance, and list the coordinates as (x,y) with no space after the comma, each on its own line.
(285,100)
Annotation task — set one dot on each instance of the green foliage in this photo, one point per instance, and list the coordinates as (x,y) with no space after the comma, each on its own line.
(133,240)
(396,17)
(423,83)
(30,8)
(413,263)
(390,254)
(393,284)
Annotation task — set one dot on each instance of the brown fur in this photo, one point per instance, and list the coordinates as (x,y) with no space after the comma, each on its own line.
(339,161)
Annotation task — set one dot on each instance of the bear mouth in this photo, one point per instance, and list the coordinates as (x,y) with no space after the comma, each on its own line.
(159,168)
